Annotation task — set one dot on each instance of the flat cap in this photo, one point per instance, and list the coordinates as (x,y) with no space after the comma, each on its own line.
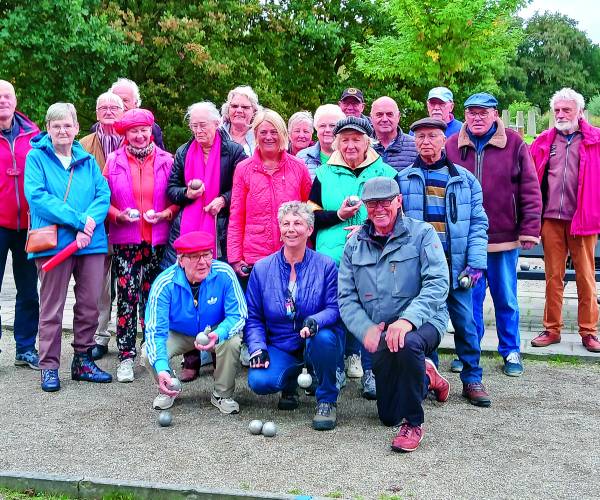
(194,241)
(354,123)
(380,188)
(429,123)
(352,92)
(481,100)
(441,93)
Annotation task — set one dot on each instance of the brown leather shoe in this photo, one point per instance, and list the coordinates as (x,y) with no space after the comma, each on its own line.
(476,394)
(591,343)
(545,339)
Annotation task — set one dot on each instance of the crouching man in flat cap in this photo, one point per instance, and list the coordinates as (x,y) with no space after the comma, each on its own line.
(392,290)
(186,298)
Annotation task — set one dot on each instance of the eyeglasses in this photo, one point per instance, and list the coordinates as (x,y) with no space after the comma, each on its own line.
(382,203)
(206,257)
(104,109)
(481,114)
(431,137)
(58,128)
(245,107)
(199,126)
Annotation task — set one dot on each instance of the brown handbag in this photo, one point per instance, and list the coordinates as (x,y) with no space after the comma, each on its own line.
(44,238)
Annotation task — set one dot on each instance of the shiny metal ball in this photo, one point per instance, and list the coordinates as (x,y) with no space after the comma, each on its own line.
(165,419)
(255,427)
(269,429)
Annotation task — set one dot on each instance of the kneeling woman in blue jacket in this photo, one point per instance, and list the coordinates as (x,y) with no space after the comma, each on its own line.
(293,318)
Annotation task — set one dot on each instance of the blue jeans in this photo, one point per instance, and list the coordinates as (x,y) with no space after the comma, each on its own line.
(466,339)
(354,346)
(323,352)
(27,305)
(501,276)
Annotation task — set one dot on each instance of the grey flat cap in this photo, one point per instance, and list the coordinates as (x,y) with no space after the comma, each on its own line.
(380,188)
(429,123)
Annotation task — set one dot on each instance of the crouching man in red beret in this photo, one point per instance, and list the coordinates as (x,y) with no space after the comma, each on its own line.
(186,298)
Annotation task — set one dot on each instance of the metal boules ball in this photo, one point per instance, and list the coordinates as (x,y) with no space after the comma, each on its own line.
(150,213)
(305,379)
(353,200)
(165,419)
(525,266)
(195,183)
(269,429)
(175,384)
(134,213)
(255,427)
(464,282)
(202,339)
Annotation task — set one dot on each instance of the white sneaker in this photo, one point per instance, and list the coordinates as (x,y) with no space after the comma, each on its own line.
(244,355)
(163,402)
(125,370)
(225,405)
(353,366)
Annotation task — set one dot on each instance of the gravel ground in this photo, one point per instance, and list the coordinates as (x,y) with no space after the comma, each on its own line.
(538,440)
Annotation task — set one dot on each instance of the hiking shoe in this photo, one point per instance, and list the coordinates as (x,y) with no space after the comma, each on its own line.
(244,355)
(340,379)
(353,366)
(227,406)
(476,394)
(288,401)
(513,365)
(369,390)
(545,338)
(325,418)
(456,366)
(98,351)
(50,380)
(591,343)
(408,438)
(28,358)
(125,370)
(84,369)
(163,402)
(438,384)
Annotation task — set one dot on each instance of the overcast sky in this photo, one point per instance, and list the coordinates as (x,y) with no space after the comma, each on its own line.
(586,12)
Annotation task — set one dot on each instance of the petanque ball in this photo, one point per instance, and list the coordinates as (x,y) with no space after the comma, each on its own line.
(150,213)
(196,184)
(255,427)
(304,379)
(134,213)
(165,418)
(202,339)
(269,429)
(353,200)
(175,384)
(464,282)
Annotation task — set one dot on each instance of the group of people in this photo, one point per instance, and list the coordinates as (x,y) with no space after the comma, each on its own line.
(345,256)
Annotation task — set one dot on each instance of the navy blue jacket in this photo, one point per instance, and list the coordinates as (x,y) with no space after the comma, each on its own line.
(316,282)
(399,154)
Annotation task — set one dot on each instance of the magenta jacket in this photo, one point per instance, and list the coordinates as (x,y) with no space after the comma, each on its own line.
(586,219)
(255,198)
(118,175)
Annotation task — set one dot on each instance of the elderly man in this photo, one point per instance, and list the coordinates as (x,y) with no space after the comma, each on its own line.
(449,198)
(567,159)
(396,148)
(512,200)
(196,294)
(16,132)
(392,289)
(129,93)
(440,104)
(352,102)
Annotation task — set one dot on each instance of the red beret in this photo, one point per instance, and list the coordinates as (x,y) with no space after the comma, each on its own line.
(193,242)
(134,118)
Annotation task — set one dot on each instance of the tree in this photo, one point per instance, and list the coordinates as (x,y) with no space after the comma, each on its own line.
(462,44)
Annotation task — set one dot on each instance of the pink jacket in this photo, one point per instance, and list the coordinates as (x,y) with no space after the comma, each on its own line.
(586,219)
(118,175)
(255,198)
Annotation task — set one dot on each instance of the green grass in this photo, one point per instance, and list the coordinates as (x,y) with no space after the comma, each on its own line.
(335,494)
(7,494)
(560,359)
(295,491)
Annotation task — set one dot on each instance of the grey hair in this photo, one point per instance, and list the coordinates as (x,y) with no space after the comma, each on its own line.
(328,109)
(133,86)
(207,106)
(244,90)
(568,94)
(296,208)
(110,97)
(60,111)
(300,116)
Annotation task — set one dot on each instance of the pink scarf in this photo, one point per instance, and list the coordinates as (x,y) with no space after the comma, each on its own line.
(194,218)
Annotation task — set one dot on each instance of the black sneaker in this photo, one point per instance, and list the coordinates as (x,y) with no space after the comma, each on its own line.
(288,401)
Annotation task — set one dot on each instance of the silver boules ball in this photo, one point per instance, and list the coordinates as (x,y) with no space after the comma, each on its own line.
(353,200)
(175,384)
(255,427)
(464,282)
(165,419)
(195,184)
(305,379)
(134,213)
(202,339)
(269,429)
(150,213)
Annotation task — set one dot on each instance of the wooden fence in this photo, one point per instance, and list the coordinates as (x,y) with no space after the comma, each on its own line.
(528,128)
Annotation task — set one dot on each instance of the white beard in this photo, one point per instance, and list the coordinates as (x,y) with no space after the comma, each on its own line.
(566,126)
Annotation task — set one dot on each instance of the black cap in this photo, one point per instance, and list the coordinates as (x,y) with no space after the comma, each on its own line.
(352,92)
(353,123)
(429,123)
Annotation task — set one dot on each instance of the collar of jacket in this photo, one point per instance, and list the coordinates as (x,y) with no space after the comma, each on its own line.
(367,231)
(452,170)
(257,162)
(337,160)
(498,140)
(286,266)
(398,139)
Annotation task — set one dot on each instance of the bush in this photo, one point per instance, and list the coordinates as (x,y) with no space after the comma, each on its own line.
(524,106)
(543,122)
(594,106)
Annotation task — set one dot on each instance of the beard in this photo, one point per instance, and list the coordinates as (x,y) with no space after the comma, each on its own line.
(566,126)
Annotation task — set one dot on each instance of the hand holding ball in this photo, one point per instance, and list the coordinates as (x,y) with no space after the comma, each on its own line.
(464,282)
(134,214)
(202,339)
(195,184)
(175,384)
(353,200)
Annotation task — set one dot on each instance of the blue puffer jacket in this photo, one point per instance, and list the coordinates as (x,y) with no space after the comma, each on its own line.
(316,285)
(399,154)
(312,157)
(466,220)
(45,185)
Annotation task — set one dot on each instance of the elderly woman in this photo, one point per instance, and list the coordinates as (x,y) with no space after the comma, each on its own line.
(139,215)
(352,163)
(201,183)
(326,116)
(300,130)
(68,197)
(238,112)
(260,185)
(293,318)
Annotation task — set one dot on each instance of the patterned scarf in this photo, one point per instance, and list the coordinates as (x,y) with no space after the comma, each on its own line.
(109,142)
(140,153)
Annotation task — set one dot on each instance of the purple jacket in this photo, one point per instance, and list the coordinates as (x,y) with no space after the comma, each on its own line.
(511,191)
(118,175)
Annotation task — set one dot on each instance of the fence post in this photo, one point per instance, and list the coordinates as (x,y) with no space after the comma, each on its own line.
(505,118)
(551,120)
(531,128)
(520,123)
